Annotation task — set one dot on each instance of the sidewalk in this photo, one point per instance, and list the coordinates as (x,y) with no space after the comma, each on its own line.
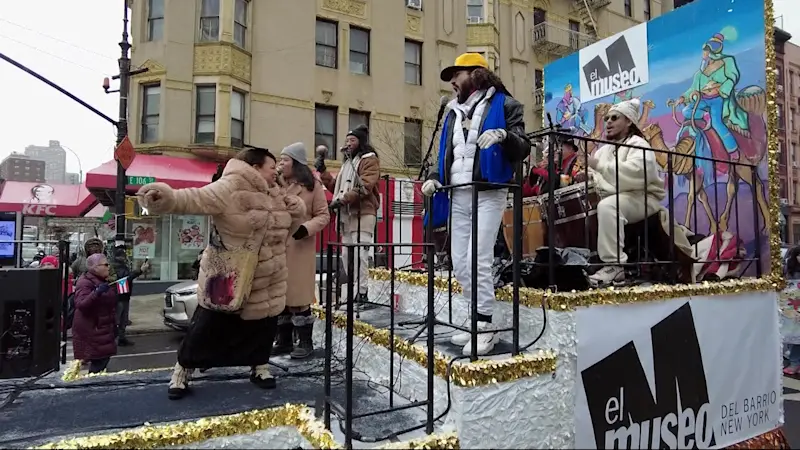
(147,314)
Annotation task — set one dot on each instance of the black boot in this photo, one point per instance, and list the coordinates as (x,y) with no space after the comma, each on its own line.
(304,327)
(363,303)
(284,339)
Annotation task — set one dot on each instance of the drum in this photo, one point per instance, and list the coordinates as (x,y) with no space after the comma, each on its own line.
(532,227)
(575,220)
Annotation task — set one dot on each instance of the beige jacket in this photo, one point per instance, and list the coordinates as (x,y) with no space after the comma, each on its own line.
(241,203)
(303,262)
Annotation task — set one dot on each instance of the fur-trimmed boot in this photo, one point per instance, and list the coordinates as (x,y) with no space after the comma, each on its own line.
(284,338)
(304,327)
(261,377)
(179,382)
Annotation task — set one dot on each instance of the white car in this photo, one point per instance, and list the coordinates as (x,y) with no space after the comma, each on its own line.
(180,301)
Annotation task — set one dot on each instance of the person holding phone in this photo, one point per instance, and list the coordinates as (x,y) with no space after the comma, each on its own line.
(122,268)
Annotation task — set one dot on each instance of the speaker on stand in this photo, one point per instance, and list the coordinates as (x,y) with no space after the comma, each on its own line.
(30,318)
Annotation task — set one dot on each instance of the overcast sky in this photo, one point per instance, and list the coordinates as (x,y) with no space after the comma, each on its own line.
(76,47)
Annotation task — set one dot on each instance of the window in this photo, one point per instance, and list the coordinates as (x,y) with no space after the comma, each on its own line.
(325,129)
(413,63)
(628,10)
(237,118)
(780,117)
(574,35)
(412,140)
(475,9)
(206,112)
(538,79)
(359,51)
(151,104)
(155,20)
(240,22)
(358,118)
(327,44)
(646,9)
(209,21)
(779,74)
(539,16)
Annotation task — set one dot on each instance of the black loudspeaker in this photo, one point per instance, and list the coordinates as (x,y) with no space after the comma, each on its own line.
(30,314)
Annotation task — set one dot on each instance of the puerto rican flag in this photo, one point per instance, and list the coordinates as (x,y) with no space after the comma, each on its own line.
(123,287)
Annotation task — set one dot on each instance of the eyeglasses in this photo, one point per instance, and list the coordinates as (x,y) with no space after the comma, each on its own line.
(106,264)
(611,118)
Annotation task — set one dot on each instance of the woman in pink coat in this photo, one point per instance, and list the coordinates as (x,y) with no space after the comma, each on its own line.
(301,253)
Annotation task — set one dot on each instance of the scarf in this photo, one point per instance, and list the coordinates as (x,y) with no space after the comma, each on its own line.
(346,180)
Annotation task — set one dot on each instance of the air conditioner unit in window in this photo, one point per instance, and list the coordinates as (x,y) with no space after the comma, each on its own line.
(414,4)
(474,19)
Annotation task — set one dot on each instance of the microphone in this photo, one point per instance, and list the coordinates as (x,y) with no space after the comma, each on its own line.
(442,106)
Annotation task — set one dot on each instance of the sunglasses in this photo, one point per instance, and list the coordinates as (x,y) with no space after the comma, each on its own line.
(611,118)
(106,264)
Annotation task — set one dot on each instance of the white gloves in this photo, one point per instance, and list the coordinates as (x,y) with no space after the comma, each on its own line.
(429,187)
(491,137)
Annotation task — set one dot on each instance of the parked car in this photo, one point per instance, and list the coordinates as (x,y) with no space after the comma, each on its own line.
(180,301)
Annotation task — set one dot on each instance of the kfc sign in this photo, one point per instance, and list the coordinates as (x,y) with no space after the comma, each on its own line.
(39,210)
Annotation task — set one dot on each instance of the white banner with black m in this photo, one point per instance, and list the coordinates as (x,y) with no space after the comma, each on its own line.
(699,372)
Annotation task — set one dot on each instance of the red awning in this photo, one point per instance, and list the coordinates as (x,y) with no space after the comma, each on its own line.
(177,172)
(41,199)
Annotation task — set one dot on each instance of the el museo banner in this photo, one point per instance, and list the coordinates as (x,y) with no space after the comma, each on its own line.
(615,64)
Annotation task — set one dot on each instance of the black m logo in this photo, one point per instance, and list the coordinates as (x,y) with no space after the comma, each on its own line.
(619,59)
(679,373)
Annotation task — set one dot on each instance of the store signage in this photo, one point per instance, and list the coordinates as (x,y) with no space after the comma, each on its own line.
(140,181)
(684,383)
(39,210)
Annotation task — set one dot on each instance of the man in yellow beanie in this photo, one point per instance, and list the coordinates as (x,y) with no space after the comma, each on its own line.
(483,137)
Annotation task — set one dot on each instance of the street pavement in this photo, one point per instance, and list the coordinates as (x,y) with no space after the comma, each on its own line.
(155,346)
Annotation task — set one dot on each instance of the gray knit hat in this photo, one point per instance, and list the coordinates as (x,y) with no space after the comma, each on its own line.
(297,152)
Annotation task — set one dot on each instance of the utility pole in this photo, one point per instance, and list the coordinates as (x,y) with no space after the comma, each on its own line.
(124,78)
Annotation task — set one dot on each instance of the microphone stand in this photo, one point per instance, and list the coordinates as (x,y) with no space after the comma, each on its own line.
(431,265)
(426,164)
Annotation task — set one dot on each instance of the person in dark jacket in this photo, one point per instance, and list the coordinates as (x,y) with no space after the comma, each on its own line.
(483,138)
(122,269)
(94,325)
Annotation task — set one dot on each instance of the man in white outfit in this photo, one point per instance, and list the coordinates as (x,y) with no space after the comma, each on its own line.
(483,136)
(625,200)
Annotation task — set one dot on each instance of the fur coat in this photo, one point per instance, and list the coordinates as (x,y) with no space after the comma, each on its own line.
(241,203)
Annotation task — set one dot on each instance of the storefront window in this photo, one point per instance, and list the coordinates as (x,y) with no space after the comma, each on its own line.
(171,243)
(189,238)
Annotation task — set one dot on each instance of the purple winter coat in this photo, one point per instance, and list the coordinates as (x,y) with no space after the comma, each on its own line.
(94,325)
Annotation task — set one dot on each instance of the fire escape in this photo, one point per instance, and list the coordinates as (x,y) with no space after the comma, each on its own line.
(586,10)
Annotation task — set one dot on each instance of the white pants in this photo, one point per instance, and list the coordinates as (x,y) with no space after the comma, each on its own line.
(631,210)
(491,205)
(353,234)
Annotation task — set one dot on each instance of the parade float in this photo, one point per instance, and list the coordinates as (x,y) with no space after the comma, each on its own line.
(653,366)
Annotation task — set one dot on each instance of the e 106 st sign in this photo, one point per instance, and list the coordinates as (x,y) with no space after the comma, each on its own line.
(140,181)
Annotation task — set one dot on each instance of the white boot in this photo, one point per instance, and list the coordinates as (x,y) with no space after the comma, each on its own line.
(607,275)
(261,377)
(179,382)
(486,341)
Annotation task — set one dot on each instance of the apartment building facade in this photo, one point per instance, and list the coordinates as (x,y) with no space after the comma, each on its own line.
(18,167)
(788,100)
(223,73)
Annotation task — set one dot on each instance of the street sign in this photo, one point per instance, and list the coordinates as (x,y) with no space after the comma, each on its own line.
(125,153)
(140,181)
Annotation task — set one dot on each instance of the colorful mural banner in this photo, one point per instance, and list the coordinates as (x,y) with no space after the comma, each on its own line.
(700,75)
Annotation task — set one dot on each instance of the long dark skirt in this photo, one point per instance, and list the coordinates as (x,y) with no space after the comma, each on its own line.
(216,339)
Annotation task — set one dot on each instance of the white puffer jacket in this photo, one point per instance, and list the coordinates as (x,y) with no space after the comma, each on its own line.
(632,164)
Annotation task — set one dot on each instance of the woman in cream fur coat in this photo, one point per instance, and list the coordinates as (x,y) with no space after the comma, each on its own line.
(242,203)
(637,200)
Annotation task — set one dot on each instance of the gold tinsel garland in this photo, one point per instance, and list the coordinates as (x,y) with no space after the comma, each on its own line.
(567,301)
(478,373)
(773,146)
(73,372)
(431,441)
(182,433)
